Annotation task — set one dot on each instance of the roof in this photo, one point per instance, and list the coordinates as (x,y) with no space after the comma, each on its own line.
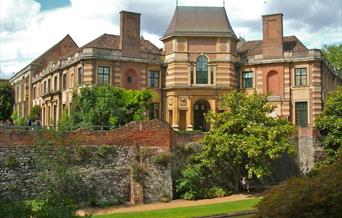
(41,57)
(109,41)
(197,21)
(47,56)
(290,43)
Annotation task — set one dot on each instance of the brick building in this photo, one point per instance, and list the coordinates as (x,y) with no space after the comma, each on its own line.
(202,59)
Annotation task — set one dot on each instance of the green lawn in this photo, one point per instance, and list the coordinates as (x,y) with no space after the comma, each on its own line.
(204,210)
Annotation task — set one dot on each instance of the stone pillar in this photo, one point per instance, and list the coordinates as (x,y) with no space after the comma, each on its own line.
(213,105)
(189,116)
(175,116)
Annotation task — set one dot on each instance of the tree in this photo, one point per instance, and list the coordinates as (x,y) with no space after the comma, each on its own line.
(334,55)
(242,142)
(6,101)
(35,112)
(329,124)
(108,106)
(316,195)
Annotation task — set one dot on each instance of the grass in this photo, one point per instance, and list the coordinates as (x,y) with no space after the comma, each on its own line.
(193,211)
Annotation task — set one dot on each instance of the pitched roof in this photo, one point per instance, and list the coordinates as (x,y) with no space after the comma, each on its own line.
(189,20)
(56,46)
(109,41)
(290,43)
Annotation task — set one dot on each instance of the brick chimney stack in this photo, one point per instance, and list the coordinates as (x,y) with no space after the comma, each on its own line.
(130,34)
(272,36)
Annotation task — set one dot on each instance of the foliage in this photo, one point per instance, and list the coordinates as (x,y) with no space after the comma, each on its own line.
(214,192)
(329,124)
(334,55)
(6,101)
(138,172)
(163,158)
(191,211)
(63,187)
(243,141)
(108,106)
(35,112)
(17,120)
(14,209)
(318,195)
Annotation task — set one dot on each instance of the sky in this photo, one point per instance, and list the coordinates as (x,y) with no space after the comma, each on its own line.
(29,27)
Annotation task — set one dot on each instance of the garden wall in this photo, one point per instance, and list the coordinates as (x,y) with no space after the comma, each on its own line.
(102,159)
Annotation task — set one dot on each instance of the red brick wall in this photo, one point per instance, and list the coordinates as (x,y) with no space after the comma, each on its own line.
(131,69)
(276,86)
(202,44)
(146,133)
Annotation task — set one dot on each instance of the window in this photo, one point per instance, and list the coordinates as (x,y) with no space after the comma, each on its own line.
(49,85)
(247,79)
(211,74)
(55,83)
(154,111)
(129,79)
(71,85)
(103,75)
(34,92)
(44,87)
(301,114)
(300,77)
(80,76)
(202,70)
(153,79)
(64,81)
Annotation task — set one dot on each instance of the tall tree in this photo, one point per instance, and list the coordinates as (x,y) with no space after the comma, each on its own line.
(334,55)
(329,123)
(243,142)
(6,101)
(108,106)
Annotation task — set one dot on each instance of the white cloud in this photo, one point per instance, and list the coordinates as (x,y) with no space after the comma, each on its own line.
(26,32)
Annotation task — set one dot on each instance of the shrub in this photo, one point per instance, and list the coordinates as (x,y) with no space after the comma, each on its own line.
(163,158)
(318,195)
(214,192)
(165,198)
(138,172)
(14,209)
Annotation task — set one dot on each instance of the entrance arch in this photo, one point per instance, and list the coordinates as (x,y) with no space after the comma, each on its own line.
(201,108)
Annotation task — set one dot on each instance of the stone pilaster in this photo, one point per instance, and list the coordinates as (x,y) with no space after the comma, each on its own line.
(175,121)
(189,115)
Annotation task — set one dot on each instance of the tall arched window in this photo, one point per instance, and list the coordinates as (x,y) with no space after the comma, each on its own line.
(202,70)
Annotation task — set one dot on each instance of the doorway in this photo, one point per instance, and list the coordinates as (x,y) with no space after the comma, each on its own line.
(201,108)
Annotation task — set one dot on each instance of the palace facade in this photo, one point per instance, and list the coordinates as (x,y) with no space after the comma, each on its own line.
(201,60)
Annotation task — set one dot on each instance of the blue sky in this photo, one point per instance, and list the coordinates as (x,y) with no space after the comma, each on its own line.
(51,4)
(30,27)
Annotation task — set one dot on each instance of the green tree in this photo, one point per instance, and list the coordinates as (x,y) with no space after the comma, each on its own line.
(243,141)
(333,54)
(329,124)
(108,106)
(35,112)
(6,101)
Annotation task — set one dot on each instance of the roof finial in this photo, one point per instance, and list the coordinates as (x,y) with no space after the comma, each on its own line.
(224,3)
(176,3)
